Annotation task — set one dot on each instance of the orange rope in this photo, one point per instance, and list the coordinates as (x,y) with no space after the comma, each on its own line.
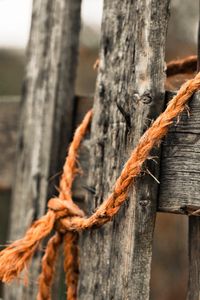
(68,219)
(48,267)
(70,239)
(185,65)
(71,264)
(134,164)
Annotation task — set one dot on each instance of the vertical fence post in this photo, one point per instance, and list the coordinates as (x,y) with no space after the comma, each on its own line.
(194,232)
(47,112)
(116,259)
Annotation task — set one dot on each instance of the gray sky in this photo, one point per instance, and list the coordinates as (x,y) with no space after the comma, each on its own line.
(15,17)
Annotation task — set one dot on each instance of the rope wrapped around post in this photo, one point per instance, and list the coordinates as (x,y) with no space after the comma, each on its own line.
(68,219)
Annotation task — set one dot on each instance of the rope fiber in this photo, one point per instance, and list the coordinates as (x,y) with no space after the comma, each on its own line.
(68,219)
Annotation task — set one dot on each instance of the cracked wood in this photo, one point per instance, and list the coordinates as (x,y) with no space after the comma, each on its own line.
(47,99)
(115,260)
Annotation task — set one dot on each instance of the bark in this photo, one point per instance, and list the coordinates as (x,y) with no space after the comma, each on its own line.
(116,259)
(46,114)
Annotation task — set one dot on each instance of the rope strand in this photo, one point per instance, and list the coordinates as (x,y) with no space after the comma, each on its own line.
(71,239)
(48,267)
(181,66)
(71,264)
(68,219)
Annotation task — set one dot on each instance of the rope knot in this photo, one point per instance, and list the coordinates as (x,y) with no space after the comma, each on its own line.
(64,208)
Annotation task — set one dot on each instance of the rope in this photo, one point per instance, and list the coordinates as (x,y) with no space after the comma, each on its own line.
(68,219)
(48,267)
(180,66)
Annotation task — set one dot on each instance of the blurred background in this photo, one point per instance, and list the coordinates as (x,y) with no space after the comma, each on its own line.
(169,272)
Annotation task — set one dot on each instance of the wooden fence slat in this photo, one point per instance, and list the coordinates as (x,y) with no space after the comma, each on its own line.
(115,260)
(180,165)
(194,223)
(47,113)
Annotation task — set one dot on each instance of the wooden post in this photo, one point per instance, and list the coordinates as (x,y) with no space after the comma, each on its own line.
(47,112)
(194,232)
(116,259)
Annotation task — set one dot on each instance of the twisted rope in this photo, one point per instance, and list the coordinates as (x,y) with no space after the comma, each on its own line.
(71,264)
(68,219)
(185,65)
(48,267)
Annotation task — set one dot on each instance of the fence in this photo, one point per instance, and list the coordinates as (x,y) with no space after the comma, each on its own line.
(115,259)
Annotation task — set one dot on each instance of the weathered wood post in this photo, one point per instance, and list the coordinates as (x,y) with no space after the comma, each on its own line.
(116,259)
(194,230)
(180,190)
(46,119)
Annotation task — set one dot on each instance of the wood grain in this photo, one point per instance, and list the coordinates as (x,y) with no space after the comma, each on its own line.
(194,223)
(180,164)
(47,98)
(116,259)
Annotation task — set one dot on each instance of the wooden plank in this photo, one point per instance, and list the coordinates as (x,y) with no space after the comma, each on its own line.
(46,101)
(194,230)
(116,259)
(180,165)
